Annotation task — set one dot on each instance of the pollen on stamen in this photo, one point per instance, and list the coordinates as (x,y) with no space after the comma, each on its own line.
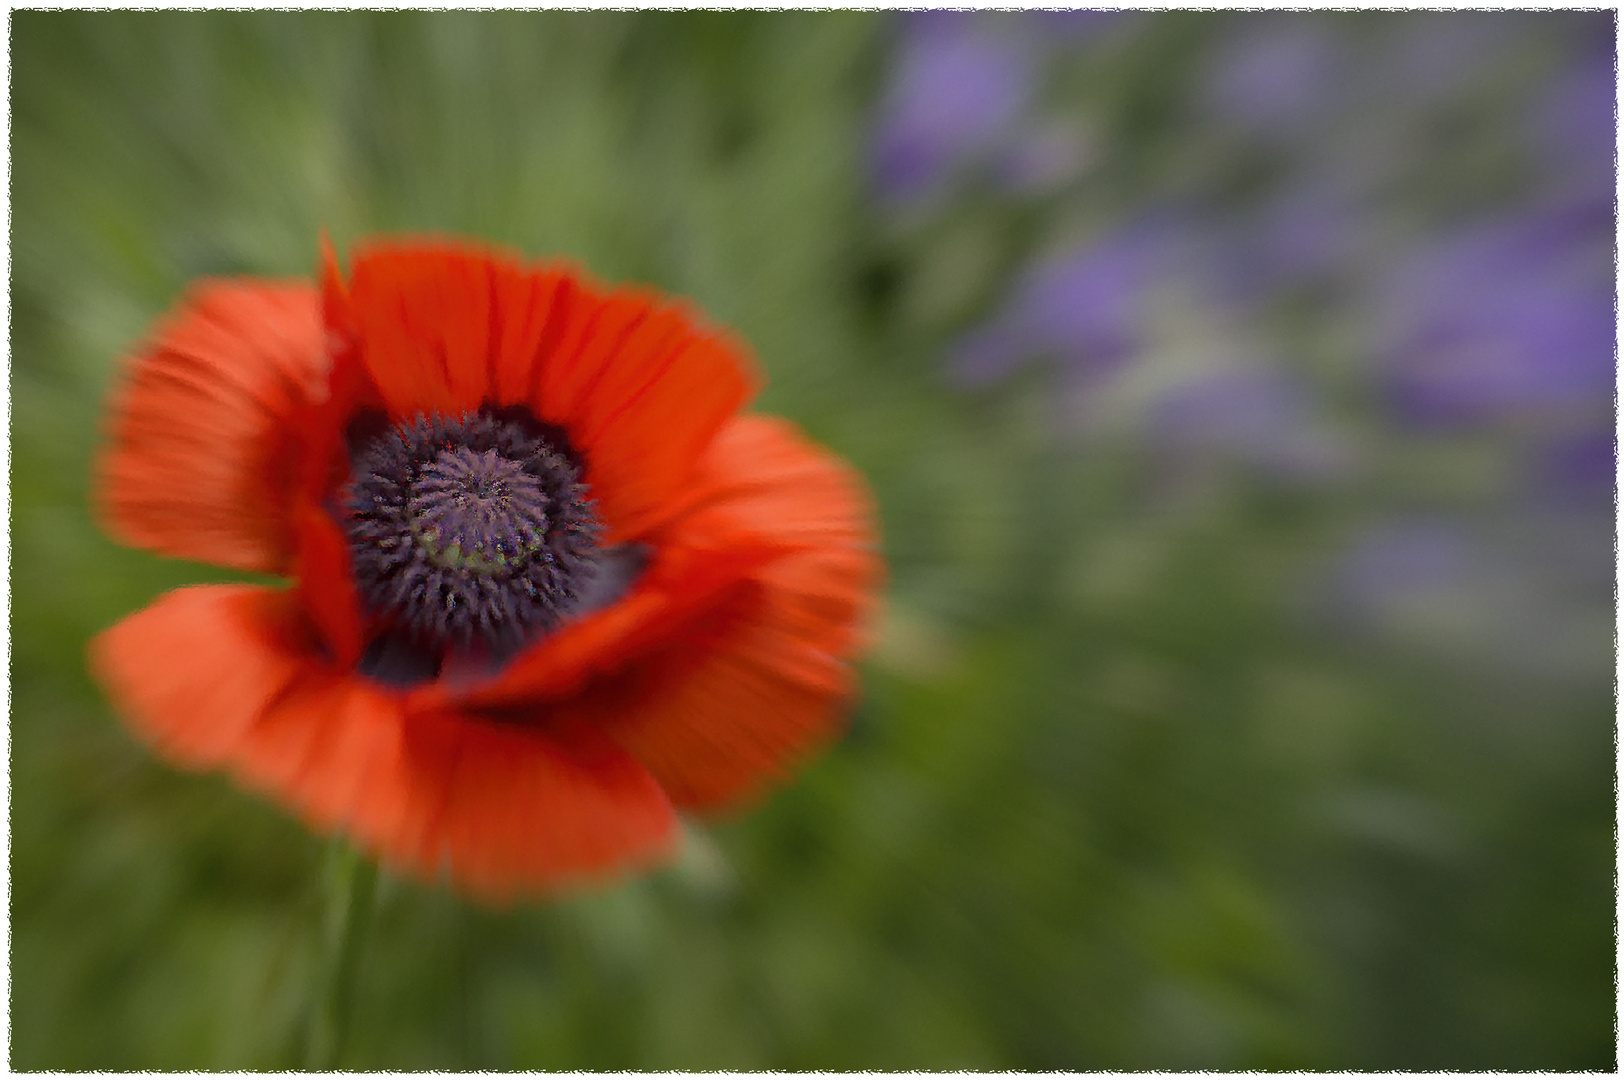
(470,532)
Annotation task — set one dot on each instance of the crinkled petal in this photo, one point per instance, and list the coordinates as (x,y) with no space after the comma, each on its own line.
(528,810)
(503,807)
(192,672)
(226,676)
(325,584)
(642,391)
(423,317)
(639,387)
(760,680)
(202,452)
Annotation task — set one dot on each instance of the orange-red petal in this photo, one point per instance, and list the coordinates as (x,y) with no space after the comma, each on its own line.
(687,575)
(225,676)
(423,317)
(639,387)
(760,680)
(193,672)
(325,584)
(202,454)
(641,390)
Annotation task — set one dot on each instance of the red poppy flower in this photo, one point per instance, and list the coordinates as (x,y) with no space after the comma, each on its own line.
(548,586)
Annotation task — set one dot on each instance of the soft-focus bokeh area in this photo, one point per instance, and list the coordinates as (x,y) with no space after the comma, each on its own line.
(1237,390)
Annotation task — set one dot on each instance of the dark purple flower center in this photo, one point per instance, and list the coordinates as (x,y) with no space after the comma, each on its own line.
(477,511)
(470,534)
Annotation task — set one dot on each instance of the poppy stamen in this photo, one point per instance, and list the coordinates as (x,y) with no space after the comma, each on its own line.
(470,531)
(492,512)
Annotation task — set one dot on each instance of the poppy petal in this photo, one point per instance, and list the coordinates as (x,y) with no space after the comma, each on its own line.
(504,807)
(224,676)
(536,307)
(192,672)
(325,584)
(759,682)
(202,451)
(642,391)
(639,387)
(526,810)
(423,316)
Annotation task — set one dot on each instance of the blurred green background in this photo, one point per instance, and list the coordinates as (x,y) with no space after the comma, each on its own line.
(1156,764)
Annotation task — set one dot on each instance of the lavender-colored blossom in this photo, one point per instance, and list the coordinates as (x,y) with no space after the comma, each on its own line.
(1227,409)
(1403,561)
(1085,308)
(1082,25)
(1300,237)
(1275,75)
(1529,593)
(1043,158)
(959,86)
(988,353)
(1572,126)
(1261,416)
(1577,470)
(1508,318)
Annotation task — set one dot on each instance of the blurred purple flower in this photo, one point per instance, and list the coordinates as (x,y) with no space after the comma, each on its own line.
(1573,125)
(1275,74)
(1260,416)
(1085,307)
(1396,563)
(1300,237)
(1081,25)
(1578,470)
(1509,318)
(1530,595)
(958,88)
(1043,158)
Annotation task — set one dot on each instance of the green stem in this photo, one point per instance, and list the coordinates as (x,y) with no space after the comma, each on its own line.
(351,882)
